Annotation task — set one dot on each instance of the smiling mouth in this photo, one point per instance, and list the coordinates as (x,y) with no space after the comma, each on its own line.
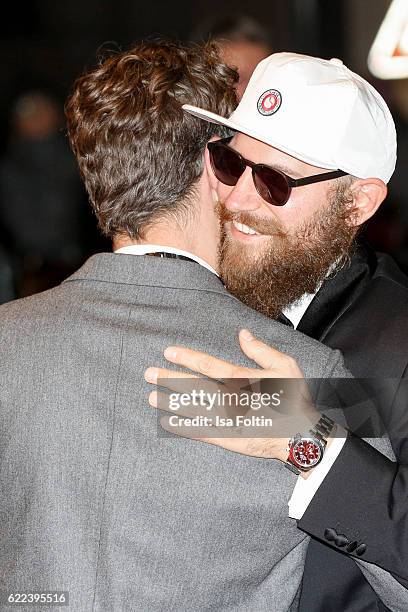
(245,229)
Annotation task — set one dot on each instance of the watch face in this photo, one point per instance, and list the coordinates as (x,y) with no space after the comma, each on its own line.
(306,453)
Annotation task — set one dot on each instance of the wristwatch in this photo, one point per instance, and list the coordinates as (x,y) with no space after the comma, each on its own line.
(305,452)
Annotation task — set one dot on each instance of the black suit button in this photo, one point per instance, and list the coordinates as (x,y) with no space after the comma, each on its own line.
(330,534)
(341,540)
(360,550)
(352,546)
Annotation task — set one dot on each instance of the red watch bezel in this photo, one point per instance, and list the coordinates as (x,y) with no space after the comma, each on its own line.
(309,464)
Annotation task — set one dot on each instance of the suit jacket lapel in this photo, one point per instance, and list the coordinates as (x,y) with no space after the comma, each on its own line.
(337,294)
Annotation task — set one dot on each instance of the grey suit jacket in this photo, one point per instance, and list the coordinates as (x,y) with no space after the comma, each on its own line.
(92,499)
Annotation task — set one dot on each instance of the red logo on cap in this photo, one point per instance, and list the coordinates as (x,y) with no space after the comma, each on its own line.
(269,102)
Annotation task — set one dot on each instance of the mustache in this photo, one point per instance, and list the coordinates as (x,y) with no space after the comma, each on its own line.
(267,227)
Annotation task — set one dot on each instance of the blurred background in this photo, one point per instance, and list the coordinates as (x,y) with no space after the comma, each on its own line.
(46,228)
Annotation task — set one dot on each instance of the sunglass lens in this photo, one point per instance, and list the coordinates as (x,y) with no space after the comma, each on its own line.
(271,185)
(226,164)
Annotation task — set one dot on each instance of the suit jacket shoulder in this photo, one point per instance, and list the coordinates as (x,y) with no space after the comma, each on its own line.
(362,311)
(179,295)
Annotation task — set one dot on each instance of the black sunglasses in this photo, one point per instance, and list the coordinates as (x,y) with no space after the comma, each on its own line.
(272,185)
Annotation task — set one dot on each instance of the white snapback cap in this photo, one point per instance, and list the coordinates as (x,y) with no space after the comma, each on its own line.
(318,111)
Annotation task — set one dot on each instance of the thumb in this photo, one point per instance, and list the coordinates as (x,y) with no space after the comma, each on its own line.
(265,356)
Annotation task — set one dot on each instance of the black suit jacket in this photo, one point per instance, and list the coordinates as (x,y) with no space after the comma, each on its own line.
(361,508)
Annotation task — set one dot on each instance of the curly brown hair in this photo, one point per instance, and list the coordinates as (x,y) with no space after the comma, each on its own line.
(139,153)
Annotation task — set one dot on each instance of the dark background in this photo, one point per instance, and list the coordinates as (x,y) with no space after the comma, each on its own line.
(46,44)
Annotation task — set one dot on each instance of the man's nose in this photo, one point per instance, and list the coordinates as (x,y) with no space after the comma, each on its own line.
(244,195)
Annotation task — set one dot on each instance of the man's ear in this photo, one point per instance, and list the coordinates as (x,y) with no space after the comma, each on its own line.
(368,195)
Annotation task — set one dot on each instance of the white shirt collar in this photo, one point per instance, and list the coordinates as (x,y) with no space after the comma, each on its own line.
(295,311)
(143,249)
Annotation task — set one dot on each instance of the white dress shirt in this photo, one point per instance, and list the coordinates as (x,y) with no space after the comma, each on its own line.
(143,249)
(305,488)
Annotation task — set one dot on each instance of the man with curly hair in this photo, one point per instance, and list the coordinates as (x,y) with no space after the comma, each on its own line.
(99,501)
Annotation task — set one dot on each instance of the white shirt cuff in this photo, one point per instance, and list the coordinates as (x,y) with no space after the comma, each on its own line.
(305,488)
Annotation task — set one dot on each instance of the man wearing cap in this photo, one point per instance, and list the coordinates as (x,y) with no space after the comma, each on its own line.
(314,146)
(98,502)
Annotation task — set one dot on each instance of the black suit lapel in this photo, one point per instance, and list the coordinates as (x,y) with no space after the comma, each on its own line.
(284,320)
(337,294)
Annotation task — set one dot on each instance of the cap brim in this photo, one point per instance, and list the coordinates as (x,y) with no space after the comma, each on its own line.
(218,119)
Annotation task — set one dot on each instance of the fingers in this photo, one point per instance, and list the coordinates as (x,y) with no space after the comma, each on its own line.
(270,359)
(171,403)
(205,364)
(184,384)
(152,375)
(157,399)
(193,433)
